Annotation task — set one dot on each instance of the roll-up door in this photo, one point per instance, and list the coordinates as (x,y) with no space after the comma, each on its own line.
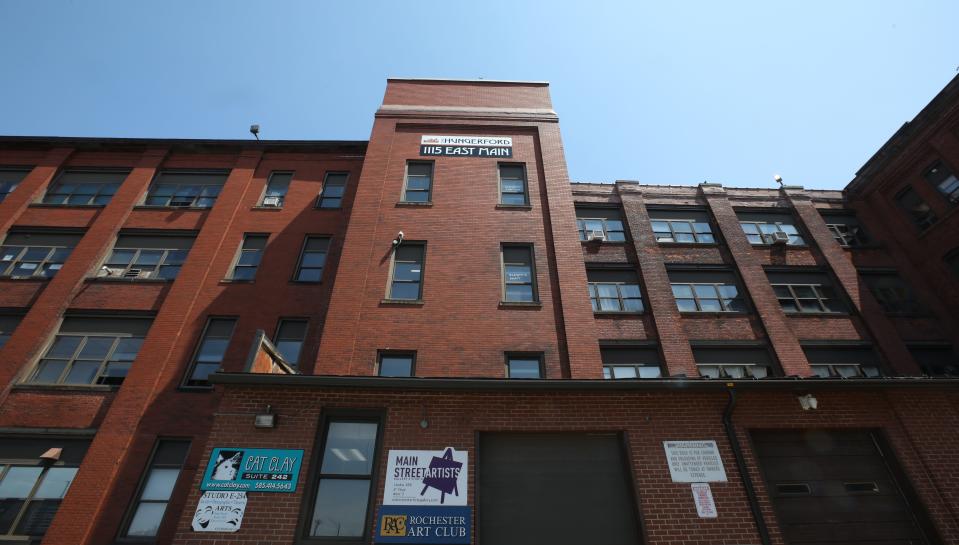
(556,488)
(838,488)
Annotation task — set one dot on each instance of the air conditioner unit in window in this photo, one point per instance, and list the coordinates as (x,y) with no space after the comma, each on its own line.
(110,271)
(138,273)
(780,238)
(271,201)
(595,234)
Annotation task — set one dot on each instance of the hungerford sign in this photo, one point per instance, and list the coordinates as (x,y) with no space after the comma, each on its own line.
(466,146)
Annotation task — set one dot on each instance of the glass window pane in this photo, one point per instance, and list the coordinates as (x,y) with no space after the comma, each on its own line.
(340,508)
(706,291)
(396,366)
(149,257)
(417,196)
(96,348)
(349,448)
(685,237)
(202,371)
(175,257)
(290,350)
(629,290)
(524,368)
(650,372)
(512,185)
(518,274)
(244,273)
(310,275)
(333,191)
(768,228)
(804,291)
(314,259)
(624,372)
(609,305)
(249,258)
(682,227)
(686,305)
(633,305)
(614,225)
(407,271)
(788,229)
(160,484)
(55,483)
(169,272)
(750,228)
(114,372)
(82,372)
(64,347)
(212,350)
(702,228)
(121,257)
(710,305)
(404,290)
(519,293)
(330,202)
(418,182)
(728,290)
(49,371)
(782,291)
(146,521)
(513,198)
(706,238)
(709,371)
(607,290)
(18,482)
(615,236)
(682,290)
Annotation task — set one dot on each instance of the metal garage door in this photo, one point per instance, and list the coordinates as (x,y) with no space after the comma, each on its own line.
(561,489)
(837,488)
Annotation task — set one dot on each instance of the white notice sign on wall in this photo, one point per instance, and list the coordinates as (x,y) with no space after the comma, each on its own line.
(219,511)
(703,496)
(694,462)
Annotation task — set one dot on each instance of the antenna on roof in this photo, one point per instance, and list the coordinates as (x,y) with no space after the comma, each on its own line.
(255,131)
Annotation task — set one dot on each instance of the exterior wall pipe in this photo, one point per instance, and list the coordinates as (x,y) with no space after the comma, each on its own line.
(743,470)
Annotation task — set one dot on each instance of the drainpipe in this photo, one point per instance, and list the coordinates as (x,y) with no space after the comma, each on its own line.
(743,470)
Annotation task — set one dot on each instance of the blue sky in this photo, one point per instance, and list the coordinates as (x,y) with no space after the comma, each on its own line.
(660,92)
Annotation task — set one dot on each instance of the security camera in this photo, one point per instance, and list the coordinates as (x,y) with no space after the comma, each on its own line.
(778,178)
(398,239)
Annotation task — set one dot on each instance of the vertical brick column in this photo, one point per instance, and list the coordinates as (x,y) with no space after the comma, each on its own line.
(677,354)
(882,330)
(774,320)
(61,289)
(157,367)
(32,185)
(578,323)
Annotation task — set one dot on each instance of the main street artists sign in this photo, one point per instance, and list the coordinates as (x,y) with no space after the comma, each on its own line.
(466,146)
(239,469)
(426,477)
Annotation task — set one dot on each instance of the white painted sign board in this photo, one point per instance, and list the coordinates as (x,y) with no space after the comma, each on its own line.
(694,462)
(703,496)
(219,511)
(426,477)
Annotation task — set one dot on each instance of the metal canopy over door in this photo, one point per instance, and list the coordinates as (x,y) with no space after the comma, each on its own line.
(556,488)
(838,488)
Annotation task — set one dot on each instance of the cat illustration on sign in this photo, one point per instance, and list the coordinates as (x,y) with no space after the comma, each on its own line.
(227,465)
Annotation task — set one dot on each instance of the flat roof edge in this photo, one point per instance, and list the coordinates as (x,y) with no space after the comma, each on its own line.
(174,141)
(466,80)
(461,384)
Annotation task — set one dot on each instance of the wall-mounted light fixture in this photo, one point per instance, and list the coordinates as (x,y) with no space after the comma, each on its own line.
(265,419)
(808,402)
(424,423)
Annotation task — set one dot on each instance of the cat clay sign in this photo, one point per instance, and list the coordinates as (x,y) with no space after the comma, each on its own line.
(219,512)
(239,469)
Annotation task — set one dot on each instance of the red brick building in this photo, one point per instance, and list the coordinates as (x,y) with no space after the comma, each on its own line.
(591,349)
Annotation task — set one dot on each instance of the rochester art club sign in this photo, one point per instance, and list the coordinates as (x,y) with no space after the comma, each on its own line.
(466,146)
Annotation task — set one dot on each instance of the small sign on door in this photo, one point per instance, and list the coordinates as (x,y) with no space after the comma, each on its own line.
(703,496)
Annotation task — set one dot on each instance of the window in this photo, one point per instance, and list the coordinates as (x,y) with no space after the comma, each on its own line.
(407,275)
(9,180)
(146,256)
(92,350)
(209,354)
(732,363)
(769,228)
(614,290)
(7,326)
(706,291)
(805,293)
(918,211)
(248,258)
(276,189)
(831,361)
(935,359)
(893,294)
(312,259)
(290,334)
(681,226)
(84,187)
(396,364)
(512,185)
(945,181)
(156,488)
(31,490)
(845,229)
(524,365)
(186,189)
(604,224)
(621,362)
(35,254)
(519,277)
(419,182)
(344,482)
(334,185)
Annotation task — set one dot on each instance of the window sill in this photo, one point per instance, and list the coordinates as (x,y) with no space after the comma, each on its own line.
(331,208)
(520,304)
(502,206)
(170,208)
(25,279)
(267,208)
(786,246)
(616,313)
(195,389)
(695,314)
(817,314)
(67,387)
(605,242)
(403,302)
(77,206)
(122,280)
(409,204)
(306,282)
(232,281)
(688,244)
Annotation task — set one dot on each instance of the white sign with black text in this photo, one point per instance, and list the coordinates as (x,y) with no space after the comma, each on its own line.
(466,146)
(219,511)
(703,496)
(694,462)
